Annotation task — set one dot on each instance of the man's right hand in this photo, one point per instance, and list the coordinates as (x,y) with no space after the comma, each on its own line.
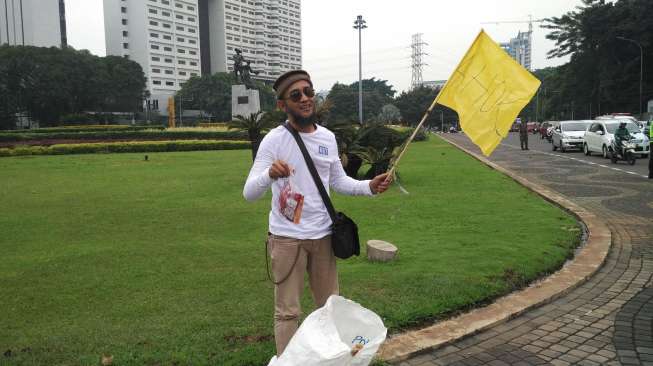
(279,169)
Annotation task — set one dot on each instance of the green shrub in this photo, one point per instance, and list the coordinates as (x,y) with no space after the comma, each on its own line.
(126,147)
(85,128)
(148,134)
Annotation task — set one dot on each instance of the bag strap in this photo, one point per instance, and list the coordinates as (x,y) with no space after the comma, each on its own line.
(311,168)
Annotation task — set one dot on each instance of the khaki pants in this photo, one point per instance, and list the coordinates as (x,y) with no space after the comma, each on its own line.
(315,257)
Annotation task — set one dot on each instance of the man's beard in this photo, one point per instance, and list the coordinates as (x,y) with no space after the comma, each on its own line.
(300,120)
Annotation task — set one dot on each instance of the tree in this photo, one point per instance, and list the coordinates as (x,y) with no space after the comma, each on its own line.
(414,103)
(389,114)
(603,72)
(255,127)
(212,93)
(50,82)
(376,94)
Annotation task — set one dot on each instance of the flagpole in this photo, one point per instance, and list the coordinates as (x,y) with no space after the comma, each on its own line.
(391,171)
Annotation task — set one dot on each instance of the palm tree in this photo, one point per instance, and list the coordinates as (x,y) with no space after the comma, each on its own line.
(256,124)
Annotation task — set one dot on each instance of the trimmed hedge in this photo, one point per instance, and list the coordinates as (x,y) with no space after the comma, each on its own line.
(85,128)
(116,135)
(127,147)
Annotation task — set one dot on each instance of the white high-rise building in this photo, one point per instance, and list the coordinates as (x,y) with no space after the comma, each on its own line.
(161,35)
(267,31)
(40,23)
(520,48)
(174,40)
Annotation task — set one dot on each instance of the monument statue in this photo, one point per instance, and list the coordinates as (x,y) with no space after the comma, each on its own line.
(245,99)
(242,69)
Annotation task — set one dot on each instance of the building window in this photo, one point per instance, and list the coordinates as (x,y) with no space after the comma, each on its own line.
(169,49)
(169,72)
(180,28)
(179,39)
(154,35)
(193,74)
(181,51)
(156,82)
(191,19)
(125,34)
(125,45)
(191,41)
(182,62)
(191,30)
(182,73)
(123,9)
(166,25)
(124,22)
(165,13)
(165,36)
(152,22)
(170,83)
(190,8)
(156,71)
(165,2)
(178,16)
(192,52)
(193,63)
(154,58)
(152,11)
(154,47)
(168,60)
(179,5)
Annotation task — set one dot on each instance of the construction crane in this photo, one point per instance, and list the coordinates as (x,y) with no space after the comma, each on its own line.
(530,22)
(522,48)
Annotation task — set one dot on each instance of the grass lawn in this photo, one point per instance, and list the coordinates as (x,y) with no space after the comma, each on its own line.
(162,262)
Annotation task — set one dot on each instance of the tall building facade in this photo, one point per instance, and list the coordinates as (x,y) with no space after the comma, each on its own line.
(174,40)
(161,35)
(520,48)
(268,32)
(40,23)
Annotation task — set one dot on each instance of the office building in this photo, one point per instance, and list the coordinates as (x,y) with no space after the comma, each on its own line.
(174,40)
(40,23)
(519,48)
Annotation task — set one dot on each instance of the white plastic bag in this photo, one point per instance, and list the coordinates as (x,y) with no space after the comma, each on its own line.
(341,333)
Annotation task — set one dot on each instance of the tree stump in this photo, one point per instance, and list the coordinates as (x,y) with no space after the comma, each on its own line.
(380,251)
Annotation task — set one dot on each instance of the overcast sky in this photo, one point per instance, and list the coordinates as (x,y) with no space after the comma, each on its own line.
(330,44)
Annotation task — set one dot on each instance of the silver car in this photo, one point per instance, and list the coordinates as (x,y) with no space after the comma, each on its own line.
(569,135)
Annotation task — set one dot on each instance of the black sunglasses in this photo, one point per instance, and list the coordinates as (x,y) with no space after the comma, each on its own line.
(296,94)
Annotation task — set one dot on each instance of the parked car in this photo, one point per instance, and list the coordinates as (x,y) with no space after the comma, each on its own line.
(569,135)
(599,136)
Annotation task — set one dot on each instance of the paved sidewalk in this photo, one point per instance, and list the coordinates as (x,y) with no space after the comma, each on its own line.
(606,321)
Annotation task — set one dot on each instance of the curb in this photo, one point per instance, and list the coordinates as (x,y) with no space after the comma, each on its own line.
(587,262)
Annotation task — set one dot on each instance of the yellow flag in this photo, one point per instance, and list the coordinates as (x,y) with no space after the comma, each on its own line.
(488,90)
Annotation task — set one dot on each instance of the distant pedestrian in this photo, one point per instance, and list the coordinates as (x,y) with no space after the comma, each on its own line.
(650,149)
(523,135)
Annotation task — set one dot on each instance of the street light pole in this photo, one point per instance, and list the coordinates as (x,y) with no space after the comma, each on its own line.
(359,24)
(641,69)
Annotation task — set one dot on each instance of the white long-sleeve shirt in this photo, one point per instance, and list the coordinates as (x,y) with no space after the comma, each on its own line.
(279,144)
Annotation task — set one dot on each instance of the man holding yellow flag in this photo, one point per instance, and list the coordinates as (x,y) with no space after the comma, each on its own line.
(488,89)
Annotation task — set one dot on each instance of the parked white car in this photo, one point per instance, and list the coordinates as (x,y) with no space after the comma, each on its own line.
(599,136)
(569,135)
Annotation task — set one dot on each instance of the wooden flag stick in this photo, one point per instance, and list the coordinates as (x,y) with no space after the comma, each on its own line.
(392,169)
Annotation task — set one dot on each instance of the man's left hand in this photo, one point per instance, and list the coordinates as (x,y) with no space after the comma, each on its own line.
(380,183)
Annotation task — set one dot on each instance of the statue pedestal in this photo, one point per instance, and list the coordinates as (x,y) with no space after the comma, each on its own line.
(244,101)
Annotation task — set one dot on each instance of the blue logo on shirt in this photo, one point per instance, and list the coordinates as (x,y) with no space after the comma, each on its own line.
(323,150)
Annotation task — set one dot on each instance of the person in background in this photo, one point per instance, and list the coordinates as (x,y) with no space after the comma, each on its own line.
(523,135)
(650,149)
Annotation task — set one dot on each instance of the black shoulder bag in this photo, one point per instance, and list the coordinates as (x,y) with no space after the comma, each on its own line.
(344,232)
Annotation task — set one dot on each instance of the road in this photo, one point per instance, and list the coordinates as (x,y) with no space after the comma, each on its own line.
(536,144)
(609,319)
